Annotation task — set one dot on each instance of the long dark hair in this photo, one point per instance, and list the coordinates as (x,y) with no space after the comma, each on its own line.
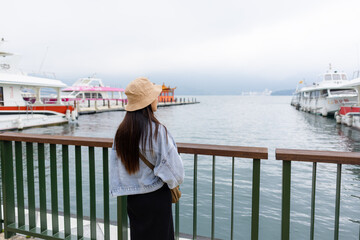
(132,131)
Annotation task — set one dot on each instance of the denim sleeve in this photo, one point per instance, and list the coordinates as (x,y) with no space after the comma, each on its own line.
(114,163)
(169,165)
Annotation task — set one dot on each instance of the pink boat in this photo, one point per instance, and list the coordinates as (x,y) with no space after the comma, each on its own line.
(90,95)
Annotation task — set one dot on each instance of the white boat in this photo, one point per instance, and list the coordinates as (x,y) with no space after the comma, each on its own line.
(327,96)
(91,95)
(22,103)
(350,115)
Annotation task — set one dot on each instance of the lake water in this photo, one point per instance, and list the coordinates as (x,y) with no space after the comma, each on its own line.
(261,121)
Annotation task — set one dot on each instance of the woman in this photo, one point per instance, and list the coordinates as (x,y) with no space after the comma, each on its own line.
(149,197)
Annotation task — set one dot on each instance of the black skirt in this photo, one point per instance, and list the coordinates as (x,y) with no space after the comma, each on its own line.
(150,215)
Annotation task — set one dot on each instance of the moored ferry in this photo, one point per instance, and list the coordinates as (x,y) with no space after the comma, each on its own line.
(350,115)
(22,100)
(327,96)
(91,95)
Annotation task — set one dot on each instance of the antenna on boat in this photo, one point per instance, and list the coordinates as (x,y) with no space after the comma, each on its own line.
(329,66)
(43,60)
(358,58)
(2,40)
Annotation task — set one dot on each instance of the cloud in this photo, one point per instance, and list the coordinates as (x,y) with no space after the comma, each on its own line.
(273,41)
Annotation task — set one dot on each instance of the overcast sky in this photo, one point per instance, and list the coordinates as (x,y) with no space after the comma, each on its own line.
(200,46)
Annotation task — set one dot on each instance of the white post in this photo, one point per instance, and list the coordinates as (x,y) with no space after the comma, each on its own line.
(38,99)
(58,96)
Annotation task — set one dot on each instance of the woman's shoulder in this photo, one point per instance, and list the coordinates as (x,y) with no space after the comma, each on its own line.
(163,134)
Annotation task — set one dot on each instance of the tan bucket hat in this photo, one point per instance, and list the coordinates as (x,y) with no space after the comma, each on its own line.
(141,93)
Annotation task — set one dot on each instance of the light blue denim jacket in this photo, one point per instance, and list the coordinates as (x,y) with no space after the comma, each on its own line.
(168,169)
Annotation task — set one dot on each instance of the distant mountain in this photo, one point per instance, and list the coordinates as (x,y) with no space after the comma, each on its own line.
(288,92)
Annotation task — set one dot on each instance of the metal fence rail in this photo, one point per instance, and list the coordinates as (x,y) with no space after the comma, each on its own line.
(288,155)
(12,155)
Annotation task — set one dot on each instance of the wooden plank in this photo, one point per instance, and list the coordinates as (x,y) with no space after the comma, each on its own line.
(64,140)
(188,148)
(318,156)
(222,150)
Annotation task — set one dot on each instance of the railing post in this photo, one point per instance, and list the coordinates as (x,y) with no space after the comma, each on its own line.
(337,202)
(286,184)
(213,200)
(106,193)
(66,190)
(195,198)
(255,200)
(1,218)
(122,218)
(8,186)
(79,198)
(92,193)
(54,190)
(177,220)
(42,187)
(31,184)
(312,223)
(232,199)
(19,183)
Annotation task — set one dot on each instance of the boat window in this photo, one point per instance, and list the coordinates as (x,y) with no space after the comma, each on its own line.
(74,93)
(336,77)
(327,77)
(342,91)
(343,76)
(87,95)
(317,94)
(93,95)
(80,95)
(99,95)
(1,97)
(324,93)
(116,95)
(95,83)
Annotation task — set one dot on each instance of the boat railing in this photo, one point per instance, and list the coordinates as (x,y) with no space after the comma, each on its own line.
(38,164)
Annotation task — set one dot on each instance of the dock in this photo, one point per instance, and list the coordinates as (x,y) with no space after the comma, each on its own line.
(112,108)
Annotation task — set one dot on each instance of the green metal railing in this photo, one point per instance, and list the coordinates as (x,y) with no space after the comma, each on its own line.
(19,148)
(289,155)
(233,152)
(13,224)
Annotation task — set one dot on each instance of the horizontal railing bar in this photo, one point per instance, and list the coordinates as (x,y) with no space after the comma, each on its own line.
(222,150)
(318,156)
(188,148)
(36,232)
(64,140)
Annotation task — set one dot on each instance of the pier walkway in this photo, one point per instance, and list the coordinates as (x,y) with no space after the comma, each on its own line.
(58,157)
(110,108)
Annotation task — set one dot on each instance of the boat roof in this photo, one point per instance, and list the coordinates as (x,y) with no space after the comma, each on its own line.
(30,81)
(92,89)
(353,83)
(6,54)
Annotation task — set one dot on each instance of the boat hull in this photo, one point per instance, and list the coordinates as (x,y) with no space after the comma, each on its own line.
(25,119)
(325,106)
(349,116)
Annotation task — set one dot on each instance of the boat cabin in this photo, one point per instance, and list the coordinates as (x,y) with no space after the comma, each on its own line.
(91,89)
(22,90)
